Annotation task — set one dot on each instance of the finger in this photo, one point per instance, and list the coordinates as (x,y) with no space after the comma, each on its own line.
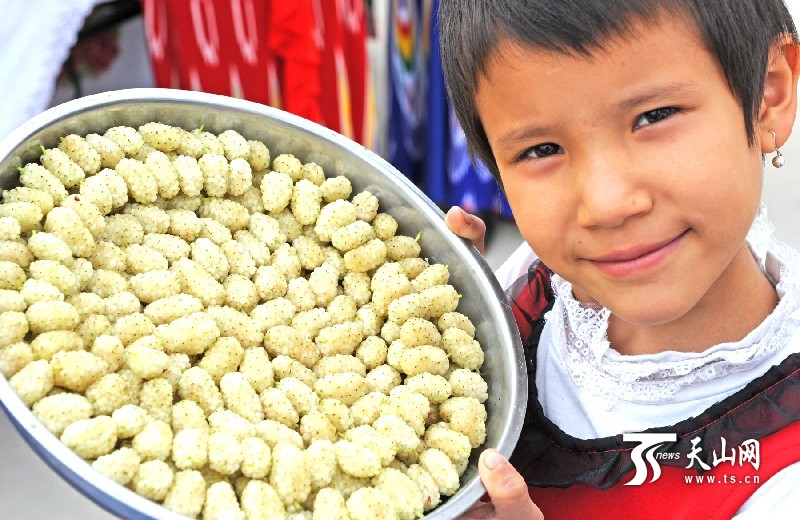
(467,226)
(506,488)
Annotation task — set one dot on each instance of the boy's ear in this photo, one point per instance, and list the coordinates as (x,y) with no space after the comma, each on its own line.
(779,103)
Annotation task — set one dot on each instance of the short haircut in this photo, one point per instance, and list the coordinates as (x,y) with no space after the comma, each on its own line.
(739,33)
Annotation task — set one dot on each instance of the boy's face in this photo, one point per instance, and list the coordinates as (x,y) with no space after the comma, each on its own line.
(629,172)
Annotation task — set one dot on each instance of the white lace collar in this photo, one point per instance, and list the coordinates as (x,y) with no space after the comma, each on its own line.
(595,366)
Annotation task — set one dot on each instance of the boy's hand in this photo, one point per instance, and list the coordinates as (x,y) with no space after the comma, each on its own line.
(507,490)
(467,226)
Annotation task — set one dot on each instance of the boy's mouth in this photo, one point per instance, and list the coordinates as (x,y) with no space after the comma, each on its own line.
(623,262)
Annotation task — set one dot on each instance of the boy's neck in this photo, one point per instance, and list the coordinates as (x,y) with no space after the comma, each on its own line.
(727,313)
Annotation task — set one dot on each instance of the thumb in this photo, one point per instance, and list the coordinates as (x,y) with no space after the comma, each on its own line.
(506,488)
(467,226)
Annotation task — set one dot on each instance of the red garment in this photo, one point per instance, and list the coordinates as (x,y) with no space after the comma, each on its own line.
(223,47)
(670,497)
(586,478)
(344,67)
(308,57)
(160,45)
(291,42)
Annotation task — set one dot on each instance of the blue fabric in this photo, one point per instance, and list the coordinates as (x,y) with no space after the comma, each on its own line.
(437,163)
(407,81)
(426,142)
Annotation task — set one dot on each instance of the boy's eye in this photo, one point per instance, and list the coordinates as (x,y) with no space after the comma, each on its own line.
(654,116)
(542,150)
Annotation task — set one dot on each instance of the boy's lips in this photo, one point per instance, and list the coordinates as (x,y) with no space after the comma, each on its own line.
(623,262)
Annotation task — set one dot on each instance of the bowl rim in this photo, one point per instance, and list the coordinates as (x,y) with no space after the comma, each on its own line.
(120,500)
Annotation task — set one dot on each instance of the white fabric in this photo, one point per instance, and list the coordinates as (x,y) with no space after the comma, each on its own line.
(589,390)
(777,498)
(613,378)
(377,46)
(37,36)
(515,266)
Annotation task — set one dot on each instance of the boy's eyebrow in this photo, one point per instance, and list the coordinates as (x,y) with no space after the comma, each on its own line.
(525,133)
(658,92)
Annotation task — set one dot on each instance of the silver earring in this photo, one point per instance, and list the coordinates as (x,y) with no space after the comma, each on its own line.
(778,161)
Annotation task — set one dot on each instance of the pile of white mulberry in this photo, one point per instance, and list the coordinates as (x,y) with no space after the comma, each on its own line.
(233,337)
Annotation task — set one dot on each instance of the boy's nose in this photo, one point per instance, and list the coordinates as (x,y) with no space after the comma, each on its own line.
(610,191)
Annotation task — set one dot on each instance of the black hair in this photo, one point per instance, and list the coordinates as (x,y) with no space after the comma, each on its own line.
(739,33)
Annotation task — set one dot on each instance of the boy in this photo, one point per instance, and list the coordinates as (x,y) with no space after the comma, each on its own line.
(629,137)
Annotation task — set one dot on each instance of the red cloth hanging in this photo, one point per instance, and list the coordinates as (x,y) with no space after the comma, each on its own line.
(308,57)
(291,43)
(345,74)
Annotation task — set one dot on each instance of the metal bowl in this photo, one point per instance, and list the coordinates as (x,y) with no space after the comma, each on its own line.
(483,300)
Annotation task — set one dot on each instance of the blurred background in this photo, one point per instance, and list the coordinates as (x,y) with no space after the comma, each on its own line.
(368,69)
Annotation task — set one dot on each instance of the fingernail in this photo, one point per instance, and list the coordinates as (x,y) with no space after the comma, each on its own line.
(493,459)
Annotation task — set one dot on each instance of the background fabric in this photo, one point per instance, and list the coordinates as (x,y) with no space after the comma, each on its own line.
(308,57)
(37,36)
(425,140)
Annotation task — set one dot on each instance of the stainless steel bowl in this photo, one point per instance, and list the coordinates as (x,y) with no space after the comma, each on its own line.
(483,300)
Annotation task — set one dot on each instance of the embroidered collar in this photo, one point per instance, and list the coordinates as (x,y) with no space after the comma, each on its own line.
(595,366)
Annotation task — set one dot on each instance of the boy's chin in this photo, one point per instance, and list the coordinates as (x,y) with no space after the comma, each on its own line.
(634,310)
(652,312)
(649,327)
